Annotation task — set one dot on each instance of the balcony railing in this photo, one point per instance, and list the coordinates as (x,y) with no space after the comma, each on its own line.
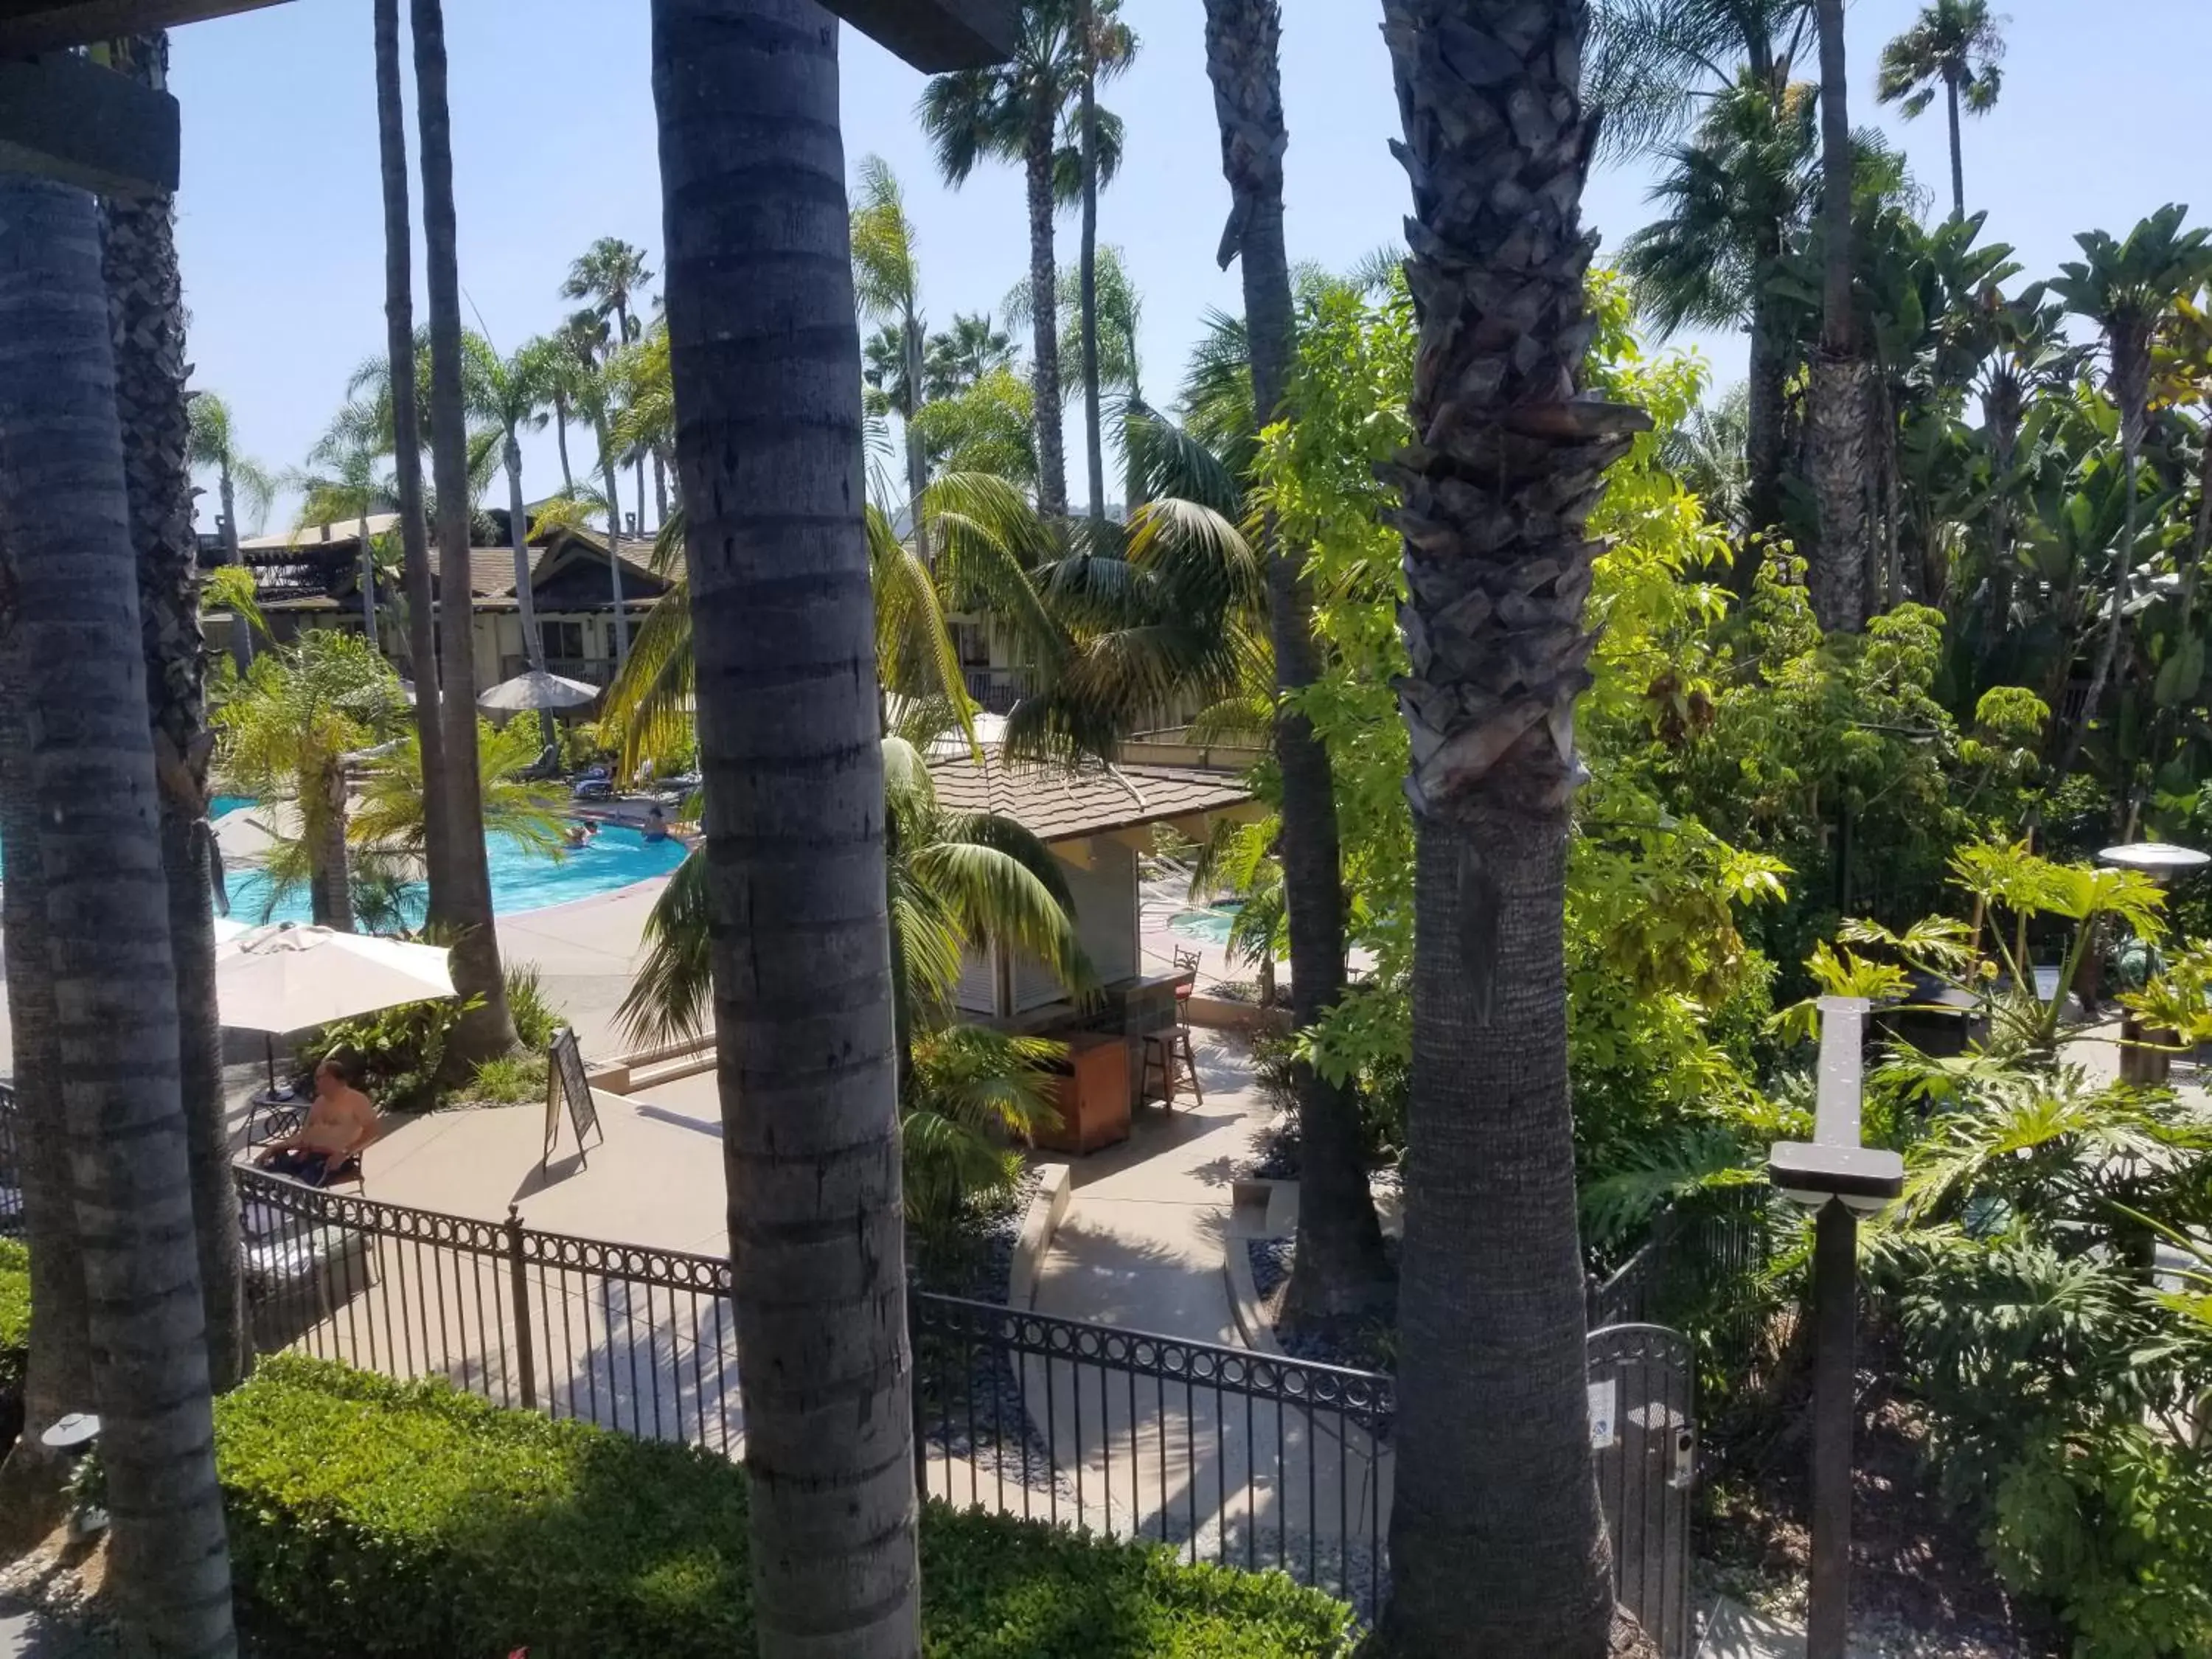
(996,690)
(592,671)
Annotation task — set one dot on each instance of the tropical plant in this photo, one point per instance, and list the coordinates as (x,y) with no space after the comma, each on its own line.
(973,1090)
(612,274)
(1496,1544)
(286,734)
(1840,393)
(343,481)
(2127,288)
(794,877)
(1953,44)
(1013,112)
(399,376)
(72,663)
(1107,47)
(1340,1273)
(887,283)
(514,394)
(1732,199)
(462,908)
(389,814)
(961,356)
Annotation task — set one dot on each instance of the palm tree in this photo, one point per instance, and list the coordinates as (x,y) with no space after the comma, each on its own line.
(2127,289)
(887,282)
(1955,44)
(1733,199)
(576,343)
(512,393)
(287,735)
(341,480)
(76,659)
(485,1028)
(1012,113)
(1497,1542)
(1107,47)
(389,819)
(1340,1273)
(612,274)
(399,364)
(213,444)
(1840,398)
(146,310)
(598,401)
(765,349)
(959,358)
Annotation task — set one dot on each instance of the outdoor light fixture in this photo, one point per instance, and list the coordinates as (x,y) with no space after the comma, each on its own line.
(1839,1180)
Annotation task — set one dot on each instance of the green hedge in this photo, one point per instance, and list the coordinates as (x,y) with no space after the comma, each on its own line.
(370,1518)
(14,1335)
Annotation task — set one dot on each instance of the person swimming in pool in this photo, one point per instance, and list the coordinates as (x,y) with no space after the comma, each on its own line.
(656,824)
(580,832)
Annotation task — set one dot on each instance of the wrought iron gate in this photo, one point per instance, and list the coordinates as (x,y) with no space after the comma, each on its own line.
(1641,1379)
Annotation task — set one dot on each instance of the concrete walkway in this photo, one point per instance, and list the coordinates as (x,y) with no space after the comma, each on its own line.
(25,1634)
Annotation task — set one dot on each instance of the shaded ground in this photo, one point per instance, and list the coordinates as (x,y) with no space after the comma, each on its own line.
(1920,1583)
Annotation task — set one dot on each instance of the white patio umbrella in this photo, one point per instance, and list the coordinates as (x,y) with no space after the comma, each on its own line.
(537,689)
(288,978)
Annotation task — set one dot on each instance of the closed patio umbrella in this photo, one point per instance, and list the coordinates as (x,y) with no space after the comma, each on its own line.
(287,977)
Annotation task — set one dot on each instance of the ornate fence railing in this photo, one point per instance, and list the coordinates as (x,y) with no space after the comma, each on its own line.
(1708,1268)
(1223,1454)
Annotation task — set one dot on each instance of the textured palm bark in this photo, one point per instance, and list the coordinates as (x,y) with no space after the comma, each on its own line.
(407,458)
(487,1029)
(58,1378)
(1498,1544)
(1841,394)
(1094,437)
(1841,391)
(1044,315)
(765,353)
(1339,1271)
(323,826)
(1765,447)
(66,570)
(610,479)
(146,316)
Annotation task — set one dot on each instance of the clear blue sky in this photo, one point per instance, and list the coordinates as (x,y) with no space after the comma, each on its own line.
(280,216)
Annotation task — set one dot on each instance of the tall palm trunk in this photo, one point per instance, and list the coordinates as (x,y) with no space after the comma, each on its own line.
(659,488)
(367,584)
(766,357)
(518,533)
(323,825)
(1958,161)
(917,463)
(1765,449)
(1841,382)
(621,323)
(1340,1268)
(241,631)
(60,1373)
(614,545)
(2132,394)
(1044,311)
(1094,443)
(1498,1544)
(561,442)
(67,567)
(407,458)
(146,317)
(487,1029)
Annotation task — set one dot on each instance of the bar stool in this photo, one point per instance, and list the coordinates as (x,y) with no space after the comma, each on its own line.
(1168,1060)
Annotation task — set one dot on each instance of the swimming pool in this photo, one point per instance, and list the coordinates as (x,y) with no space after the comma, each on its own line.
(522,877)
(1211,925)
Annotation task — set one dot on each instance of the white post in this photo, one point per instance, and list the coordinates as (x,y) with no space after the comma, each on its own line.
(1842,1074)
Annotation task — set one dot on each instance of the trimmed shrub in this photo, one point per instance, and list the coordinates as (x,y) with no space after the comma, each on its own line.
(371,1518)
(15,1337)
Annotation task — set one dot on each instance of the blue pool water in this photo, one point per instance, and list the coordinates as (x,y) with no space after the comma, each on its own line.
(521,878)
(1211,925)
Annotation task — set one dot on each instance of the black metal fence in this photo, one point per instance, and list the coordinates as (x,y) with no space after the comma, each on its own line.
(11,1166)
(1711,1268)
(1223,1454)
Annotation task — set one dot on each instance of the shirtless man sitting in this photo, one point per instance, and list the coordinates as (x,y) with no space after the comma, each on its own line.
(340,1123)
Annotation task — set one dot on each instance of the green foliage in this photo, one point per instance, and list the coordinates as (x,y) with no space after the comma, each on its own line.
(972,1092)
(15,1337)
(391,812)
(400,1051)
(371,1518)
(536,1020)
(508,1080)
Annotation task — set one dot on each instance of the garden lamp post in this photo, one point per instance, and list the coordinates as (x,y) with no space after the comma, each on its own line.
(1839,1180)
